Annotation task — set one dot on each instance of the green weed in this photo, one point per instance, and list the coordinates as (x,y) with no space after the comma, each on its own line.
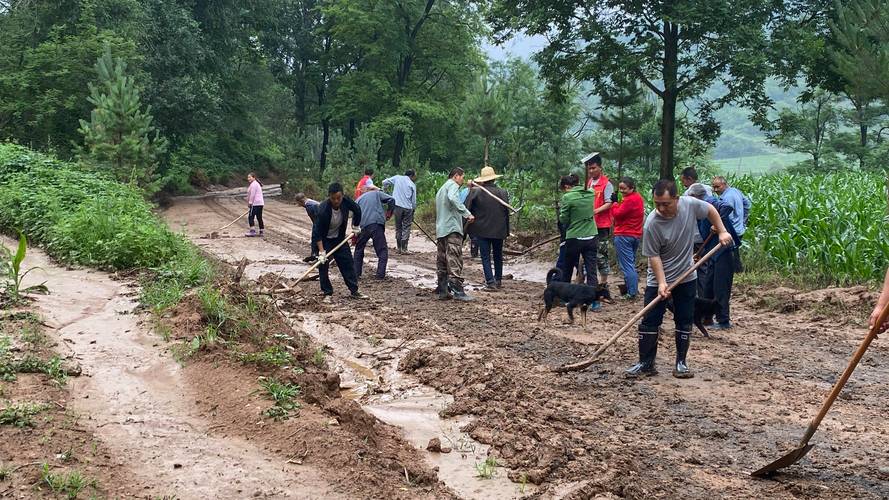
(20,414)
(32,334)
(5,472)
(284,396)
(318,357)
(51,368)
(69,484)
(273,356)
(486,469)
(8,367)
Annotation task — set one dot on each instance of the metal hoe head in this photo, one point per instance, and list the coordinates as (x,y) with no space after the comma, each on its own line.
(785,461)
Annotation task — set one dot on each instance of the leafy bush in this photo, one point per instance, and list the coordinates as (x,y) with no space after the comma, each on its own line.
(81,217)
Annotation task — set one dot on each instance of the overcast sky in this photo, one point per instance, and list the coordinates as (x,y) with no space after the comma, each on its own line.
(520,46)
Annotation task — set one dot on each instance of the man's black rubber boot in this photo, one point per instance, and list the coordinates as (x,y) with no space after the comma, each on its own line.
(683,340)
(459,293)
(647,355)
(442,289)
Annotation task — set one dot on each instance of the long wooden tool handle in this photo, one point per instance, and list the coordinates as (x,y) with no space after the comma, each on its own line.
(424,232)
(232,222)
(583,364)
(871,335)
(318,262)
(709,237)
(538,245)
(492,195)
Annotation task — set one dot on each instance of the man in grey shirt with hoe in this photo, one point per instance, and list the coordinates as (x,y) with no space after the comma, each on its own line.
(667,241)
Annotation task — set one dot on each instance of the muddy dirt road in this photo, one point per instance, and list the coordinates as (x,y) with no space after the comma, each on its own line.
(136,400)
(591,433)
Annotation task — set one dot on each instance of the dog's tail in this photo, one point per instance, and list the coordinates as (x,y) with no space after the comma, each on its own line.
(554,274)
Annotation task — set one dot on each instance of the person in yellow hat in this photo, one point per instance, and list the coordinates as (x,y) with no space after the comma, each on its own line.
(491,224)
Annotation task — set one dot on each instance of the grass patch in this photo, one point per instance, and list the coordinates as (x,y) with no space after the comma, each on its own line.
(486,469)
(274,356)
(70,484)
(20,414)
(318,357)
(284,395)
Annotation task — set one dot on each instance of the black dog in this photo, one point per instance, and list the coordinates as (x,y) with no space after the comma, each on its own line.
(704,308)
(570,294)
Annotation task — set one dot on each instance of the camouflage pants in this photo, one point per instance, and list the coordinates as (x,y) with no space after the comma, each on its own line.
(449,262)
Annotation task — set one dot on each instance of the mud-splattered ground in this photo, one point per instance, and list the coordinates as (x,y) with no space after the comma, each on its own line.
(594,433)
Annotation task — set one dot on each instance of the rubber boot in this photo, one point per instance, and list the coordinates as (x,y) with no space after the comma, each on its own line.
(251,233)
(459,292)
(442,289)
(683,340)
(647,355)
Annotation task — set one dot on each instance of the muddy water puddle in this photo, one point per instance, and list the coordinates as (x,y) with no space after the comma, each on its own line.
(399,400)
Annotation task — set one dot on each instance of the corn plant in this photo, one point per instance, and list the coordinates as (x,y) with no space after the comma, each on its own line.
(13,289)
(832,228)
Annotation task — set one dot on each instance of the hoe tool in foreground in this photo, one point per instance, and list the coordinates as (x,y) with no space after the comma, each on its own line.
(318,262)
(804,446)
(589,362)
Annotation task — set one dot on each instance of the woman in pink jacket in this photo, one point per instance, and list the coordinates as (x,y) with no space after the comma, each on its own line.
(254,204)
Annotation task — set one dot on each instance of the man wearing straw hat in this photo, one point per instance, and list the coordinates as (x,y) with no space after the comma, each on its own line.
(491,224)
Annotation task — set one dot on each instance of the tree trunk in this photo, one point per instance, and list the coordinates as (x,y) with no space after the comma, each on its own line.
(487,142)
(620,154)
(325,139)
(352,133)
(668,116)
(399,149)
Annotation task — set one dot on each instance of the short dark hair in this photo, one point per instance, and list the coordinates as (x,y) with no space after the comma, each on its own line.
(409,173)
(455,171)
(334,187)
(664,186)
(629,182)
(368,171)
(299,196)
(690,173)
(569,180)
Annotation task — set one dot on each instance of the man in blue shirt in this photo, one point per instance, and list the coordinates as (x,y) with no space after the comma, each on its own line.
(735,199)
(404,190)
(373,227)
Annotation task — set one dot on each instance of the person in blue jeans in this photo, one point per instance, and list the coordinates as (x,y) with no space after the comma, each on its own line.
(628,214)
(491,225)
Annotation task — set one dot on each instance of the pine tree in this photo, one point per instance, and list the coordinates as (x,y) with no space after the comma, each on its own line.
(119,138)
(486,114)
(624,111)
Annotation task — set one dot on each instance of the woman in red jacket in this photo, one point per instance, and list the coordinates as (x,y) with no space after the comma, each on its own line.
(629,214)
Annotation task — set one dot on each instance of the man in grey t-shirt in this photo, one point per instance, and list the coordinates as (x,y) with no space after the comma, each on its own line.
(667,241)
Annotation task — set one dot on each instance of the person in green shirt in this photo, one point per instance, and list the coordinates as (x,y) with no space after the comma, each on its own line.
(449,215)
(576,215)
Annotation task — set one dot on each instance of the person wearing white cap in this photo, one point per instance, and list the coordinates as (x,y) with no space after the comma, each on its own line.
(598,182)
(491,224)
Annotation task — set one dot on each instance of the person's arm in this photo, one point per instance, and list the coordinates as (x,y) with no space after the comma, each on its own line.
(713,216)
(609,190)
(388,200)
(564,214)
(413,195)
(454,198)
(319,232)
(388,182)
(657,267)
(881,303)
(356,214)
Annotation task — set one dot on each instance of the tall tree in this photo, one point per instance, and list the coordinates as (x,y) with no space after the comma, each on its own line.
(675,48)
(486,113)
(623,110)
(809,129)
(119,137)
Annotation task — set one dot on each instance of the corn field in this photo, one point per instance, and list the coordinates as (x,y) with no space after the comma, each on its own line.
(832,227)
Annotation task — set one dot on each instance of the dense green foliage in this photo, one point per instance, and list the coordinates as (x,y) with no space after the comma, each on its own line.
(832,228)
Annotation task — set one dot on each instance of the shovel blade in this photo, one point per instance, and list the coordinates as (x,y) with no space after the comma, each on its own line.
(785,461)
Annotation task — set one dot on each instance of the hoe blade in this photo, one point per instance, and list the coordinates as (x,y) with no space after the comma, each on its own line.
(785,461)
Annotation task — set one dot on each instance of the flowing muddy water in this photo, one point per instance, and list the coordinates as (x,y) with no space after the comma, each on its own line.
(400,400)
(133,396)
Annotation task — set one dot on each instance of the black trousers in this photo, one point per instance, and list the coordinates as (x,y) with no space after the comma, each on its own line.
(377,233)
(255,211)
(574,250)
(683,308)
(343,258)
(716,279)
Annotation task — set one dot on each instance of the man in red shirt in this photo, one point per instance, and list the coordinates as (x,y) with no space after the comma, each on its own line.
(605,196)
(629,215)
(365,184)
